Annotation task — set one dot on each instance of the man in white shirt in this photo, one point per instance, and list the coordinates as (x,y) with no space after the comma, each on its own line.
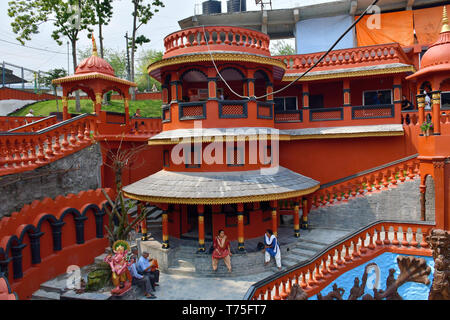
(141,280)
(30,113)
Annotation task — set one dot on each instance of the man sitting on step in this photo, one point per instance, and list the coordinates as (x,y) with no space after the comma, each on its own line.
(141,280)
(149,267)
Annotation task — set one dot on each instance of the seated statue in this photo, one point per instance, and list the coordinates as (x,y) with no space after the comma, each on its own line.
(119,264)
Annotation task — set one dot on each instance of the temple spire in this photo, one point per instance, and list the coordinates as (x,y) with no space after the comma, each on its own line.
(94,47)
(445,26)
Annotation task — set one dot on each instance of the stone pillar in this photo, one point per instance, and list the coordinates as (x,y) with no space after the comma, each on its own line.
(240,217)
(79,227)
(35,245)
(274,217)
(305,210)
(347,93)
(423,190)
(165,226)
(436,109)
(65,105)
(56,233)
(16,252)
(99,224)
(201,228)
(421,106)
(296,219)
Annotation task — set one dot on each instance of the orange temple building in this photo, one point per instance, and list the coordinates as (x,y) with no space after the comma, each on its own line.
(235,149)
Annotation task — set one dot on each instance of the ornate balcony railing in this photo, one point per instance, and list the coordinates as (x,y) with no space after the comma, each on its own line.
(288,116)
(316,273)
(373,112)
(233,109)
(192,110)
(217,38)
(378,54)
(36,125)
(264,109)
(367,182)
(326,114)
(8,123)
(22,151)
(146,126)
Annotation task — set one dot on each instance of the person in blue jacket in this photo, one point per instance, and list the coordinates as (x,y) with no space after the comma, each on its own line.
(271,248)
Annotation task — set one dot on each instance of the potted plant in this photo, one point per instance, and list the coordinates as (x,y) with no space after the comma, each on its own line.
(426,127)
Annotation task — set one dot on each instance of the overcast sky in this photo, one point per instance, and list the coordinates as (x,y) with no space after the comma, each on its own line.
(163,23)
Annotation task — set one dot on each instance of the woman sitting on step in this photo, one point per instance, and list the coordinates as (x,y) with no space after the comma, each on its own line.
(221,251)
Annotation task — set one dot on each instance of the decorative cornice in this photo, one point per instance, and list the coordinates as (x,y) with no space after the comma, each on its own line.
(362,73)
(90,76)
(206,57)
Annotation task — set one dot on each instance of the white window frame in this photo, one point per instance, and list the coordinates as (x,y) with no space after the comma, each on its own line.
(364,95)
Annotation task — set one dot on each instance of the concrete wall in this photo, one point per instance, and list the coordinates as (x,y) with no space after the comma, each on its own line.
(77,172)
(401,203)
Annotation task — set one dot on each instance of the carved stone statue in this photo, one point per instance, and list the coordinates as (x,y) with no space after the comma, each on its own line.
(439,242)
(336,294)
(297,293)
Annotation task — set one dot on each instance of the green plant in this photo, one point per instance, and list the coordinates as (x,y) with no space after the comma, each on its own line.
(427,125)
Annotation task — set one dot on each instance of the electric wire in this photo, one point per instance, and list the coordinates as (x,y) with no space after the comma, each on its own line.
(299,77)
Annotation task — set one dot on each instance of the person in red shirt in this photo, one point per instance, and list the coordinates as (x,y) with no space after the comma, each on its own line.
(221,251)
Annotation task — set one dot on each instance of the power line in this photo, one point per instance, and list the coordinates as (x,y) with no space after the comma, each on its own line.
(46,50)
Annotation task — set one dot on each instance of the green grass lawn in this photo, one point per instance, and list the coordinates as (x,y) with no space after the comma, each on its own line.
(149,108)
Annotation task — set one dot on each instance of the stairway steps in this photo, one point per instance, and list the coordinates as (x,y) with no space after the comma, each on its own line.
(310,246)
(45,295)
(303,252)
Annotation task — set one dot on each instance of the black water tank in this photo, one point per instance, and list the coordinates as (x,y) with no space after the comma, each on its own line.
(236,5)
(212,7)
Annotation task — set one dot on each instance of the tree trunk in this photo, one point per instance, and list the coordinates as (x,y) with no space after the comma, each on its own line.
(133,44)
(74,58)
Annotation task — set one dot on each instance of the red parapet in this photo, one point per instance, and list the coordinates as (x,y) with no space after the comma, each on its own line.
(216,38)
(346,58)
(9,123)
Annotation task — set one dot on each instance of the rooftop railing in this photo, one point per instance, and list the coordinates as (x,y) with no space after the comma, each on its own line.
(217,38)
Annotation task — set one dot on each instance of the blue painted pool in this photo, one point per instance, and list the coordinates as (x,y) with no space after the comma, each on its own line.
(385,261)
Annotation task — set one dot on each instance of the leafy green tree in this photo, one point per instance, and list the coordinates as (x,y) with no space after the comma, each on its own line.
(282,48)
(69,18)
(143,11)
(49,77)
(102,14)
(146,58)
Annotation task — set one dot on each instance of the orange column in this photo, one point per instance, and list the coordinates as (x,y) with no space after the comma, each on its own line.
(347,95)
(143,223)
(251,87)
(165,225)
(305,95)
(398,98)
(441,210)
(212,88)
(436,102)
(240,216)
(421,106)
(296,219)
(269,90)
(423,190)
(127,110)
(201,228)
(305,208)
(274,217)
(98,103)
(165,94)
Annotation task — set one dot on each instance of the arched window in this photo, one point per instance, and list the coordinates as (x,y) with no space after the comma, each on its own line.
(195,86)
(235,79)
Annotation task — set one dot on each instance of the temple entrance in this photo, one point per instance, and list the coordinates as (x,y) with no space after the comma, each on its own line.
(192,223)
